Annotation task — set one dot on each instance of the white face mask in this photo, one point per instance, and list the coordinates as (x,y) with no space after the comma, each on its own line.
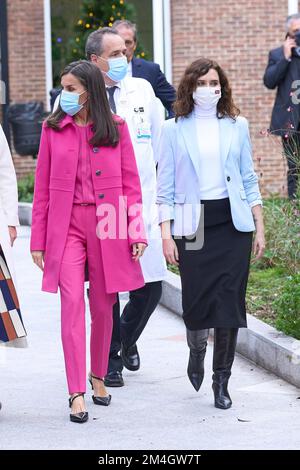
(207,97)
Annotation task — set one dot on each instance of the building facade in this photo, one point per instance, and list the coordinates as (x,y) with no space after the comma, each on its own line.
(26,65)
(237,34)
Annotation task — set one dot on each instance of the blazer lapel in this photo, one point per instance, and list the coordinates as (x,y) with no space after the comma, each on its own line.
(189,132)
(135,67)
(226,132)
(123,105)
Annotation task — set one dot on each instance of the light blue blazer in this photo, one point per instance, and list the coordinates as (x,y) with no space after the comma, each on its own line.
(178,187)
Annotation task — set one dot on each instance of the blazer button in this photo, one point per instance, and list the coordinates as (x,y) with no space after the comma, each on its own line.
(95,149)
(101,196)
(228,178)
(98,172)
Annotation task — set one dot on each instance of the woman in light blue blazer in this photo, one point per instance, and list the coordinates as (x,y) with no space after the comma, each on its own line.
(209,206)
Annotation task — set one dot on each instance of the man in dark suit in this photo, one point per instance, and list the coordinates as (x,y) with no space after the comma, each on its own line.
(282,72)
(144,68)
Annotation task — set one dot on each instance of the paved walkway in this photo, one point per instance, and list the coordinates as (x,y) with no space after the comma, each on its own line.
(157,409)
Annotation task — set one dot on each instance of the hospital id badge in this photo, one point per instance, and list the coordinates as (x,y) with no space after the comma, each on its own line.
(143,132)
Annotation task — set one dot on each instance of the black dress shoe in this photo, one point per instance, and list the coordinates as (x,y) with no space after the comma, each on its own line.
(197,342)
(130,357)
(222,397)
(81,417)
(195,370)
(225,340)
(103,401)
(114,379)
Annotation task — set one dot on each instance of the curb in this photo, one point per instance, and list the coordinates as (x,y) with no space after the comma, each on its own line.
(260,342)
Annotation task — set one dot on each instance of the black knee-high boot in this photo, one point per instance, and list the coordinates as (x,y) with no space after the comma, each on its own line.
(225,340)
(197,342)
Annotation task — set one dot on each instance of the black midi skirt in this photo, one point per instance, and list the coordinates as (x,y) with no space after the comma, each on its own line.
(214,277)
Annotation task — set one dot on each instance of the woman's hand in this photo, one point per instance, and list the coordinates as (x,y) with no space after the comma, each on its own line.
(38,258)
(170,251)
(259,245)
(12,234)
(259,240)
(138,250)
(169,246)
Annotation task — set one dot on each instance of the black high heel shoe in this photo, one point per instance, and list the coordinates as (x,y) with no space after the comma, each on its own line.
(81,417)
(103,401)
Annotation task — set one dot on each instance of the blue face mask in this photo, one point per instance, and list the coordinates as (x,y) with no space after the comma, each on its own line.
(69,102)
(117,68)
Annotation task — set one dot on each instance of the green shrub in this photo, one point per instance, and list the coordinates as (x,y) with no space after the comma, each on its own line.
(264,286)
(25,188)
(282,227)
(287,307)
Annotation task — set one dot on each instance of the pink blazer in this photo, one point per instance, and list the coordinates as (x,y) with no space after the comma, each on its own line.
(117,187)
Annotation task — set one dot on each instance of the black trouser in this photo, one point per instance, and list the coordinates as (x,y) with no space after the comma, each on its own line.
(128,328)
(291,148)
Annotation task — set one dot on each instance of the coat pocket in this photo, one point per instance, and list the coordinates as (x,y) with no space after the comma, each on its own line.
(61,184)
(179,198)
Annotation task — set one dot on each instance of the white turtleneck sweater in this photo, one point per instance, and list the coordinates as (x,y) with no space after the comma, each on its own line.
(212,178)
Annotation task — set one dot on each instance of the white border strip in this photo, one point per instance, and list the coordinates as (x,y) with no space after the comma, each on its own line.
(158,33)
(48,51)
(162,42)
(293,7)
(168,40)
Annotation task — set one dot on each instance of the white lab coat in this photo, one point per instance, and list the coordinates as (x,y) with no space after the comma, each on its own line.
(137,93)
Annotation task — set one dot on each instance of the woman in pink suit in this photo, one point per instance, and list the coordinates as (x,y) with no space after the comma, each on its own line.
(86,210)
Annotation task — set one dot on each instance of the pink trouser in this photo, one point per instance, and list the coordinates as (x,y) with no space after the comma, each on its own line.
(82,243)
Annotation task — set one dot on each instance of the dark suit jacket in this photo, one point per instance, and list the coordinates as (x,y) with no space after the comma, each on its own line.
(53,95)
(281,73)
(162,88)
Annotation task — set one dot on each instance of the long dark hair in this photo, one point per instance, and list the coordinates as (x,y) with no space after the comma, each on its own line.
(104,127)
(184,103)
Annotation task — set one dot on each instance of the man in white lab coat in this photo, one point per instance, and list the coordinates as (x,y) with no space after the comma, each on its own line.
(133,99)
